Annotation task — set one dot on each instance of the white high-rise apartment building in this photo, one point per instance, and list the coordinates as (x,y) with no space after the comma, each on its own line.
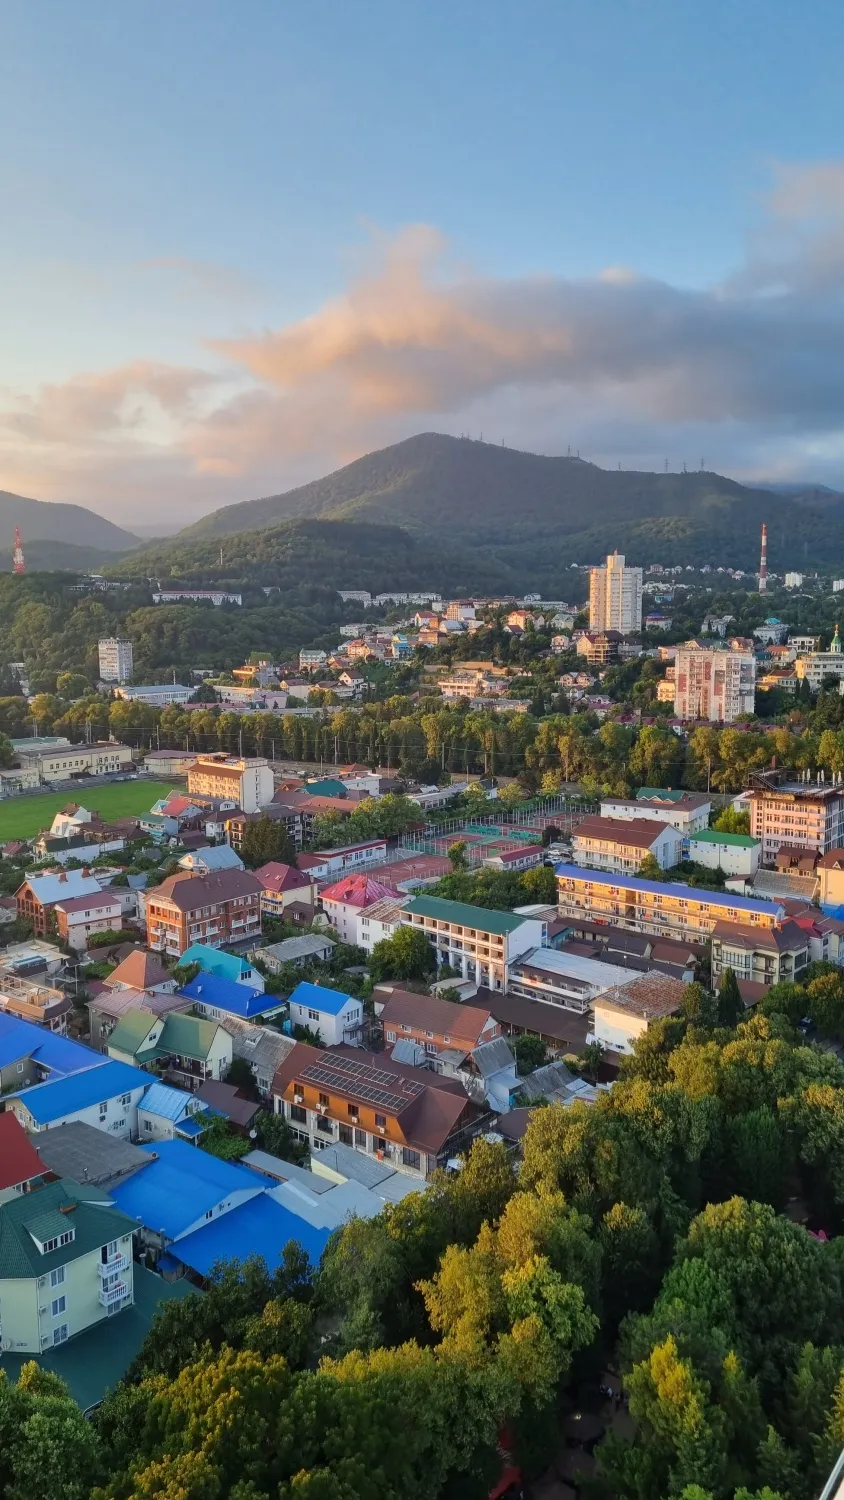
(115,660)
(718,685)
(615,596)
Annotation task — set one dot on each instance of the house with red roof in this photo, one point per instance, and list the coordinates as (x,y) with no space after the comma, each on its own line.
(344,901)
(21,1168)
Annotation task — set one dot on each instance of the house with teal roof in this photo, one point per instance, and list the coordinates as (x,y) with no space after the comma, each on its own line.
(224,965)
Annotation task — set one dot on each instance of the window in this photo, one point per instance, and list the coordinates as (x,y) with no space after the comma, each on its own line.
(111,1249)
(354,1112)
(60,1334)
(59,1239)
(298,1114)
(103,1110)
(209,1213)
(20,1067)
(323,1101)
(391,1036)
(125,1098)
(381,1122)
(57,1276)
(59,1305)
(410,1158)
(313,1015)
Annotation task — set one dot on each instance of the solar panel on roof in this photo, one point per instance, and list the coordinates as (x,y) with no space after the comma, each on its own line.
(374,1085)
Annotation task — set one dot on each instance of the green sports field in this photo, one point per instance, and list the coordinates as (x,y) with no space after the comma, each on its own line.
(22,817)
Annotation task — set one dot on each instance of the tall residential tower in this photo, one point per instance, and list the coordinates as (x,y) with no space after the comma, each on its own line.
(615,596)
(115,660)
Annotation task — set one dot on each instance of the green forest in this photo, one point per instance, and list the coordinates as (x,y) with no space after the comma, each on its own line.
(659,1233)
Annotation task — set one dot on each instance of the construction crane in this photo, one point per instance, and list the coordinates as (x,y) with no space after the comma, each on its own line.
(18,564)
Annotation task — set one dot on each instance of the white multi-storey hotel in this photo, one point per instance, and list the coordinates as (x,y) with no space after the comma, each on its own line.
(615,596)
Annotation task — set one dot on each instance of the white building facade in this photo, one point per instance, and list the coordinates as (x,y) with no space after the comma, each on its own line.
(615,596)
(115,657)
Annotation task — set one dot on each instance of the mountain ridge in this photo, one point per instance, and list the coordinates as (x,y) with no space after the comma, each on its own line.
(57,521)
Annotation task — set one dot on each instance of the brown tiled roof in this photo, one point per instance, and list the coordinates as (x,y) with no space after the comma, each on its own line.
(276,877)
(782,939)
(140,970)
(650,996)
(226,1098)
(639,833)
(832,860)
(564,1029)
(87,903)
(189,892)
(464,1023)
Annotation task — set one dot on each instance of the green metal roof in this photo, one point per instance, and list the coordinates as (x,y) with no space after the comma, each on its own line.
(94,1361)
(92,1219)
(715,836)
(459,912)
(660,793)
(186,1035)
(132,1030)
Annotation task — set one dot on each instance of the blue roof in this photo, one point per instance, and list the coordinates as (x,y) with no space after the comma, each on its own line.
(160,1099)
(180,1184)
(670,888)
(215,961)
(259,1227)
(67,1096)
(317,997)
(193,1126)
(238,999)
(60,1054)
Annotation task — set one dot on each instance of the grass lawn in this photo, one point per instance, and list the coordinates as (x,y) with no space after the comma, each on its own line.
(22,817)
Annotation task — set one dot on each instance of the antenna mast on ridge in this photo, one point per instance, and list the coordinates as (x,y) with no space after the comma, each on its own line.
(18,564)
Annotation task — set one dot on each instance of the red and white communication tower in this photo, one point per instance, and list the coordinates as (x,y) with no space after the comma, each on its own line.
(763,561)
(18,564)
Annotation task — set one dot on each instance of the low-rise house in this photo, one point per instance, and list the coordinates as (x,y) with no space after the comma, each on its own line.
(168,1114)
(406,1116)
(379,921)
(345,859)
(263,1048)
(623,1014)
(526,857)
(336,1017)
(479,943)
(295,950)
(180,1190)
(211,857)
(734,853)
(282,884)
(141,970)
(39,894)
(105,1095)
(620,844)
(560,977)
(686,811)
(169,762)
(88,1155)
(489,1076)
(226,1101)
(214,998)
(109,1006)
(30,1001)
(215,910)
(825,934)
(80,917)
(229,966)
(65,1264)
(21,1168)
(436,1025)
(184,1047)
(763,957)
(345,901)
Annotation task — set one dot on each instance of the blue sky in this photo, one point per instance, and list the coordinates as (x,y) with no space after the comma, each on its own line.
(629,237)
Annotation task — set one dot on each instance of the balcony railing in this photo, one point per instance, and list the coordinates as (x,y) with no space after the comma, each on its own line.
(111,1294)
(111,1267)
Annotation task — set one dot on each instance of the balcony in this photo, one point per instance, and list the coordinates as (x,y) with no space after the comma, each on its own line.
(112,1267)
(110,1295)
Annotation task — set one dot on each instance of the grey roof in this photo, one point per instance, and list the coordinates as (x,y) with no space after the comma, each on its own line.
(260,1045)
(286,1171)
(50,888)
(119,1002)
(87,1155)
(354,1166)
(290,949)
(213,857)
(556,1082)
(408,1051)
(492,1057)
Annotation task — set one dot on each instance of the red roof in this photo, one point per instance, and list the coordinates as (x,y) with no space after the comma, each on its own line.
(276,876)
(19,1160)
(359,890)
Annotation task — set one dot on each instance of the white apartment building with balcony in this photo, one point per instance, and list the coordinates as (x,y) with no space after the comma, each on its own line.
(714,684)
(115,657)
(615,596)
(482,945)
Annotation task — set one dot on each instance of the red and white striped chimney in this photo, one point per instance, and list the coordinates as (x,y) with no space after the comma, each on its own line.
(763,561)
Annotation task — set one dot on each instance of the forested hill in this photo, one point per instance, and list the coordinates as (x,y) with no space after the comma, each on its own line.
(514,506)
(41,521)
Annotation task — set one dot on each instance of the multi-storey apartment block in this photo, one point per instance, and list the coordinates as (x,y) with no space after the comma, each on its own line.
(615,596)
(247,780)
(213,909)
(671,910)
(481,944)
(115,657)
(622,843)
(714,683)
(808,815)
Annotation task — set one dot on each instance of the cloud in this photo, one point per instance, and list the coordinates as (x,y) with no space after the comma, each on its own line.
(747,373)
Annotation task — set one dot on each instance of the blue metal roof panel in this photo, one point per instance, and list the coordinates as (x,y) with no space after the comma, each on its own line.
(60,1054)
(170,1103)
(317,997)
(215,961)
(669,888)
(59,1097)
(179,1186)
(259,1227)
(225,994)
